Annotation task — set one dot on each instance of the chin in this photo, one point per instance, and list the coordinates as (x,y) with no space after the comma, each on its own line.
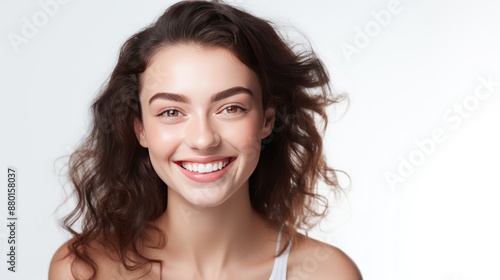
(206,198)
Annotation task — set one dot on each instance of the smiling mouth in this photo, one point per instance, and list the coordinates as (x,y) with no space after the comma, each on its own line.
(205,167)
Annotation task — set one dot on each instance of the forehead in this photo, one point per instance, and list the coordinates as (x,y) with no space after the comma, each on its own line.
(195,69)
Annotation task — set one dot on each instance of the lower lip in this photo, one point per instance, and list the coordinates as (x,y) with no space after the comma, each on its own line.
(206,177)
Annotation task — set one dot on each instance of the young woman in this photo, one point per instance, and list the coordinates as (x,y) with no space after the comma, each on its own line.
(203,157)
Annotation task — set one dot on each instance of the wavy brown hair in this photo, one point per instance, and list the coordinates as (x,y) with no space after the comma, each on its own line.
(118,192)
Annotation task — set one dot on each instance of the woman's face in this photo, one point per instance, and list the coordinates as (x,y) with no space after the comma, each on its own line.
(202,121)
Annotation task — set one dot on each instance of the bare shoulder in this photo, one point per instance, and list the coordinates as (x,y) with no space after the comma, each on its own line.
(63,264)
(313,259)
(60,265)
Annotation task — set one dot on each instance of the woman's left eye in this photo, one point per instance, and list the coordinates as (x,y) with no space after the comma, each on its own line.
(233,109)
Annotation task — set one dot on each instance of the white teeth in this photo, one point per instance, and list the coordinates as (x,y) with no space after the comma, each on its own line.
(204,168)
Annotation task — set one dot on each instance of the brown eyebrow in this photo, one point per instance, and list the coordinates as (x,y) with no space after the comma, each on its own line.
(228,93)
(170,96)
(214,98)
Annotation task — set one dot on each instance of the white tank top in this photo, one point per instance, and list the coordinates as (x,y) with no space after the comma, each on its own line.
(280,263)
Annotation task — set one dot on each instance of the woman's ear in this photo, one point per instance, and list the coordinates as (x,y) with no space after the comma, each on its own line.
(269,117)
(139,132)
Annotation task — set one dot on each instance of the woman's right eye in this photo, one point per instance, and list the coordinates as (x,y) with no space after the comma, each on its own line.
(171,113)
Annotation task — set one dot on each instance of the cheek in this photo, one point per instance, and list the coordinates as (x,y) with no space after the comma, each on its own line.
(246,137)
(162,140)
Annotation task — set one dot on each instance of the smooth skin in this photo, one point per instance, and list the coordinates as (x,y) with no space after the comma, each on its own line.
(212,230)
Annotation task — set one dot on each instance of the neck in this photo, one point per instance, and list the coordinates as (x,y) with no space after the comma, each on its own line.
(210,237)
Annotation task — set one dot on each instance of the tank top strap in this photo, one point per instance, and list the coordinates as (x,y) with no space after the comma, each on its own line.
(280,262)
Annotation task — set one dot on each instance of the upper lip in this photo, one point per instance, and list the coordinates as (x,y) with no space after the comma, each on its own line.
(205,159)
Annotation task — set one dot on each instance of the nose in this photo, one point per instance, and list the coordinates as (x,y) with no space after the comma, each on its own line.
(201,134)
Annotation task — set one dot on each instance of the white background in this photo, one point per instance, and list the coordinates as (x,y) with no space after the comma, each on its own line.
(439,222)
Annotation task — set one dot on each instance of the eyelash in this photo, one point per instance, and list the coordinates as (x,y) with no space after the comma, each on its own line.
(241,109)
(164,112)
